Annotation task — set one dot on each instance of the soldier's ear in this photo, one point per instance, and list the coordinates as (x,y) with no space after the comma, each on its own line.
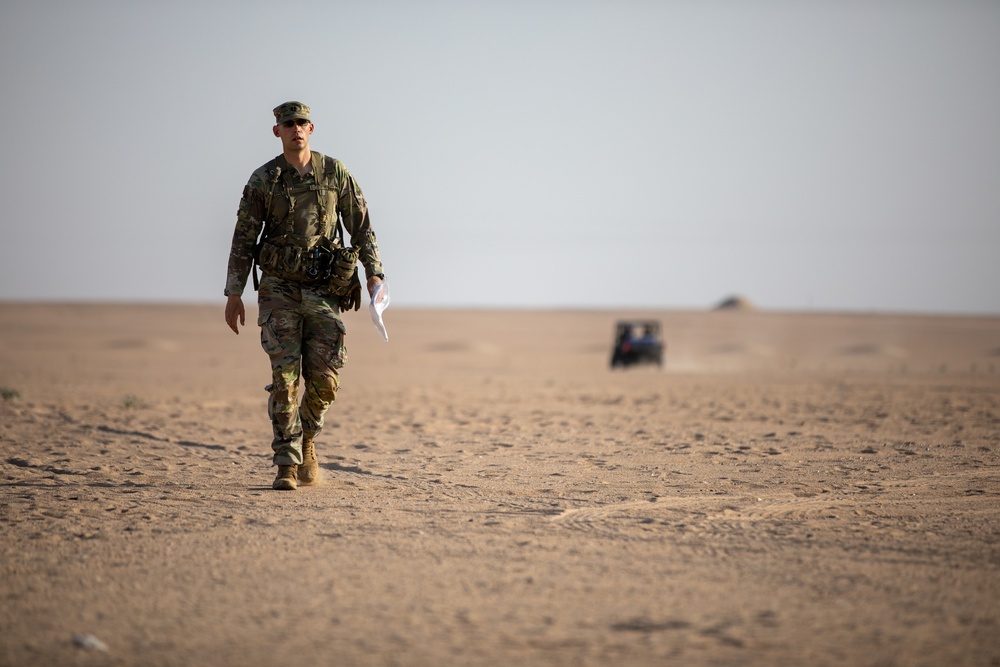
(275,130)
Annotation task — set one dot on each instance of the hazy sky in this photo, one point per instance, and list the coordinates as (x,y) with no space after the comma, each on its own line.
(830,155)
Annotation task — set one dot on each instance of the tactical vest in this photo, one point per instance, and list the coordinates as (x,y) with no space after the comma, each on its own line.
(303,239)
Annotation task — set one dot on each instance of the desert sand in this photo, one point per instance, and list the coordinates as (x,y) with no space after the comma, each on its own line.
(790,489)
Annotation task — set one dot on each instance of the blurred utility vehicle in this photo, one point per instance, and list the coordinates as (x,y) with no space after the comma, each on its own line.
(637,342)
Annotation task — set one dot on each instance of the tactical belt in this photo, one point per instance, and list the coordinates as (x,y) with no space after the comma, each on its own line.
(333,268)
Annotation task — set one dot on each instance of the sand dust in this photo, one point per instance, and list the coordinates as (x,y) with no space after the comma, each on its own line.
(792,489)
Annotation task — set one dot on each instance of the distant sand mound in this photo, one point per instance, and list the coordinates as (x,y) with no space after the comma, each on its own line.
(735,303)
(476,347)
(752,349)
(159,344)
(874,350)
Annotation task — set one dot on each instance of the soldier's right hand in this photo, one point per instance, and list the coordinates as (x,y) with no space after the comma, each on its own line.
(234,312)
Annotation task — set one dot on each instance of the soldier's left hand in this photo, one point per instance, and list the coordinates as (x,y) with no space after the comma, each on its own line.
(352,300)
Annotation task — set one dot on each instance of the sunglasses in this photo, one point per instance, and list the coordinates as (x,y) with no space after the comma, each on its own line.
(298,121)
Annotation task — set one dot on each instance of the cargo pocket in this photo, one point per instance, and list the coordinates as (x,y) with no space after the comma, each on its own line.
(338,351)
(268,340)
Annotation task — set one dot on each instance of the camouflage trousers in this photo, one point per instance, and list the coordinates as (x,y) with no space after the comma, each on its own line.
(302,333)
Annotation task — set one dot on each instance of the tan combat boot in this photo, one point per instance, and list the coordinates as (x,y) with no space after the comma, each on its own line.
(309,470)
(285,481)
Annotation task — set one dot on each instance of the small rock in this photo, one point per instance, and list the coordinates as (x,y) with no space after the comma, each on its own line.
(90,642)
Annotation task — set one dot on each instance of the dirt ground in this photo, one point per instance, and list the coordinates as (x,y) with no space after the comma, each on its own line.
(791,489)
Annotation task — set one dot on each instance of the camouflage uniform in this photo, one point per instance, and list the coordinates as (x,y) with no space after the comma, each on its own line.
(301,327)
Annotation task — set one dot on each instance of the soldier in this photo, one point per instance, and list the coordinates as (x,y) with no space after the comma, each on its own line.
(299,204)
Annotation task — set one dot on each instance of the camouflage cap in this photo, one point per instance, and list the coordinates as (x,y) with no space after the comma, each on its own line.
(289,111)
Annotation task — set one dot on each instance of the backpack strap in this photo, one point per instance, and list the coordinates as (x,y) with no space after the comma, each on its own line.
(330,182)
(323,184)
(273,176)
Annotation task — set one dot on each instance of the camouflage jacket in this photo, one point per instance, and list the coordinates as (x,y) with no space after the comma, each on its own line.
(300,206)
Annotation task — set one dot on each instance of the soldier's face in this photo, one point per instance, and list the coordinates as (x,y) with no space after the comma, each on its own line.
(294,134)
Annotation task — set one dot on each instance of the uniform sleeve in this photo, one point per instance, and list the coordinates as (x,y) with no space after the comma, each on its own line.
(354,212)
(249,222)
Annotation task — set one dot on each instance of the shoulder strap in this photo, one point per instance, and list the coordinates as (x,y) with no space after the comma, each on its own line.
(335,185)
(319,176)
(273,172)
(325,172)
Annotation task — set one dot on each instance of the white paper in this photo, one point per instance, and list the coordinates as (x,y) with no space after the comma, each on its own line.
(379,302)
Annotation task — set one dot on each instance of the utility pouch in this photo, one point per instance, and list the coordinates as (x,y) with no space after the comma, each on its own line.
(343,269)
(267,257)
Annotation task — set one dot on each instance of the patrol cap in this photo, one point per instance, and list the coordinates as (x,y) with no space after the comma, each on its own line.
(290,111)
